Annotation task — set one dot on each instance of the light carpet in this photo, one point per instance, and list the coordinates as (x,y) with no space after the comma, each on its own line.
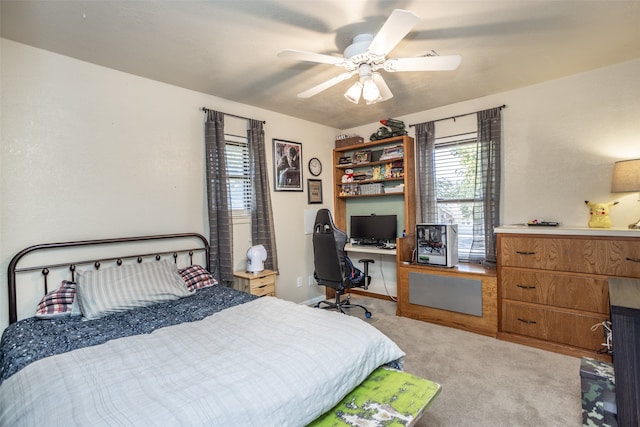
(485,381)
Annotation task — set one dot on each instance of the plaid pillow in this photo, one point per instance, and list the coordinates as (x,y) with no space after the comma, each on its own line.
(58,303)
(196,277)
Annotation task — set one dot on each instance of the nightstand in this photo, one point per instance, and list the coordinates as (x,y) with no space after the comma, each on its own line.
(260,284)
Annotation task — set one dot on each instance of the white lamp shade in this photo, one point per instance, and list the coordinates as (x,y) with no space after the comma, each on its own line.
(353,94)
(370,91)
(626,176)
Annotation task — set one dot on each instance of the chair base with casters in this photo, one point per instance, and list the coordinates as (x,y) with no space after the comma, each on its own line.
(340,304)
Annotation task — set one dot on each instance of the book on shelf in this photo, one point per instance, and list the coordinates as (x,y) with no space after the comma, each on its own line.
(392,152)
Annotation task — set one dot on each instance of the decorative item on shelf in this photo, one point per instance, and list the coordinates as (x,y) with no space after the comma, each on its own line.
(350,190)
(346,160)
(599,214)
(397,169)
(626,178)
(376,173)
(362,175)
(363,156)
(388,170)
(393,128)
(348,176)
(346,140)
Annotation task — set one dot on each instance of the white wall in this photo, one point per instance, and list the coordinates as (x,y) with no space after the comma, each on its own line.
(561,139)
(90,152)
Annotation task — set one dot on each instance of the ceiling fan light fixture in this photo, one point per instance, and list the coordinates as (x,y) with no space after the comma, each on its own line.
(368,54)
(354,92)
(370,91)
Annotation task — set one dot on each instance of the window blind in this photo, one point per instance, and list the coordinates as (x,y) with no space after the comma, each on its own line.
(237,156)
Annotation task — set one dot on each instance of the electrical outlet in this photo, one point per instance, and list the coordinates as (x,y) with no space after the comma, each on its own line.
(311,281)
(299,281)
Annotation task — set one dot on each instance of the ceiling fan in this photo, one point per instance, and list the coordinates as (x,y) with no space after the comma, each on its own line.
(367,55)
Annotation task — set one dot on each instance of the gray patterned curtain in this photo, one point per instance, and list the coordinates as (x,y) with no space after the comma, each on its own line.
(220,225)
(488,180)
(427,209)
(262,230)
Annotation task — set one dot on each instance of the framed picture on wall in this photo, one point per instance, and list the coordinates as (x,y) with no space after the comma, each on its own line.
(287,161)
(314,191)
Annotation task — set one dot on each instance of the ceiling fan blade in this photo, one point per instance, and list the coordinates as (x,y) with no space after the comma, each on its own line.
(301,55)
(424,63)
(394,29)
(325,85)
(385,92)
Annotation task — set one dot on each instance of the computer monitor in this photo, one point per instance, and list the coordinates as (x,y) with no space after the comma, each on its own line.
(373,229)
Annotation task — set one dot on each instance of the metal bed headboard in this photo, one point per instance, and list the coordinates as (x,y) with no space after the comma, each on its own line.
(203,246)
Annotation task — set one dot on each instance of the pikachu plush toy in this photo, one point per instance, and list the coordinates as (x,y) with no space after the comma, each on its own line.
(599,214)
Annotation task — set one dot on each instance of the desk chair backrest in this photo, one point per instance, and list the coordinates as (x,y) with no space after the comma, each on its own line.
(328,251)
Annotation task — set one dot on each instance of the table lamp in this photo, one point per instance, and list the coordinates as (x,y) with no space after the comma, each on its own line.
(626,178)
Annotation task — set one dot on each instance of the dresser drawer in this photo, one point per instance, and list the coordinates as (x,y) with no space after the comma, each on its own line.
(624,258)
(591,255)
(556,289)
(264,286)
(553,325)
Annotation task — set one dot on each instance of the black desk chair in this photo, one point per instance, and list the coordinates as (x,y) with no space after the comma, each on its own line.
(332,267)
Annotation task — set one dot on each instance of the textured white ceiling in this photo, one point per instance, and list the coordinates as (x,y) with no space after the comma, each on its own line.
(227,48)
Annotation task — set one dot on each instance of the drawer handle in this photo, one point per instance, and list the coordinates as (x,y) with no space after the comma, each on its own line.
(529,322)
(633,259)
(525,286)
(261,287)
(525,253)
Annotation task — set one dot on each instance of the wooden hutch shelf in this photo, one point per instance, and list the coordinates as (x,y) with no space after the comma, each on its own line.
(404,181)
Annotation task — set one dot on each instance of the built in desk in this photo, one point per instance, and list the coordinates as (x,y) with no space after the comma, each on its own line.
(463,296)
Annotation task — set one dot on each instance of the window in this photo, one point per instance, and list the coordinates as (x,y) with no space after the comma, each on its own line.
(455,159)
(239,175)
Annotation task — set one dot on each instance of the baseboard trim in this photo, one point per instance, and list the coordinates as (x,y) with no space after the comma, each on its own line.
(358,291)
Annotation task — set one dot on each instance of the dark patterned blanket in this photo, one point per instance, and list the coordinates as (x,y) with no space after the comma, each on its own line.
(32,339)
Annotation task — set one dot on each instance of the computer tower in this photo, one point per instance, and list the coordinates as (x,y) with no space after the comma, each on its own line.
(437,244)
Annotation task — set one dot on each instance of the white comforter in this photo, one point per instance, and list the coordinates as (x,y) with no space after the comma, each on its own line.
(268,362)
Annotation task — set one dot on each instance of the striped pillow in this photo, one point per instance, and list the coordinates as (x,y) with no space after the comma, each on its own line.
(196,277)
(59,303)
(116,289)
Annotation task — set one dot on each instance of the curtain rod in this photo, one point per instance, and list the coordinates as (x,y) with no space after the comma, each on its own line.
(459,115)
(232,115)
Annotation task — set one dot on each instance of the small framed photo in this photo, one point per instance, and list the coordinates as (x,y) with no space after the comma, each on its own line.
(287,161)
(314,191)
(363,156)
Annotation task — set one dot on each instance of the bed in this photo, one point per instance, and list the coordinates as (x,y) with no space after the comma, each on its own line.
(189,353)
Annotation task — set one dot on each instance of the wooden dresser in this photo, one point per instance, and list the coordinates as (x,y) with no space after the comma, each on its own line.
(553,284)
